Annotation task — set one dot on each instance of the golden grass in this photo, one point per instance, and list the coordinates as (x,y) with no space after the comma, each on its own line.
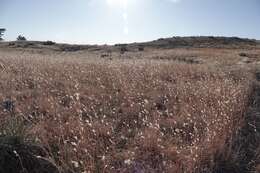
(95,115)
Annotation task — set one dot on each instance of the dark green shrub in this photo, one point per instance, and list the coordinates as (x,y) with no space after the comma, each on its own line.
(49,43)
(21,38)
(2,30)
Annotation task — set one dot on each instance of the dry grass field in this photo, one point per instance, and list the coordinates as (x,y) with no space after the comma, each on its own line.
(172,110)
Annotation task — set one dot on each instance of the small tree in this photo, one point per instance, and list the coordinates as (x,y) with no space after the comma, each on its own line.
(21,38)
(2,30)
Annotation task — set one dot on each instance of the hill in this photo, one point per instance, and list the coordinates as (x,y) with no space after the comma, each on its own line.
(201,42)
(163,43)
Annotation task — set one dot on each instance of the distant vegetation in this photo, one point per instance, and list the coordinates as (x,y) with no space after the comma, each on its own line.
(21,38)
(49,43)
(162,44)
(141,48)
(2,30)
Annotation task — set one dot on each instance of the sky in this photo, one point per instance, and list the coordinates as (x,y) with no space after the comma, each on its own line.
(124,21)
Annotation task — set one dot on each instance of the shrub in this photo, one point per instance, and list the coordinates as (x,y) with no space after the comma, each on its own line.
(70,48)
(104,55)
(21,38)
(11,44)
(243,54)
(141,48)
(49,43)
(123,49)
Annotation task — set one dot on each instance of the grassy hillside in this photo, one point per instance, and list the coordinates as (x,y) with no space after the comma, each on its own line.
(152,110)
(162,43)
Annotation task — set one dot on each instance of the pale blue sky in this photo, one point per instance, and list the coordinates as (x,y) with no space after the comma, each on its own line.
(115,21)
